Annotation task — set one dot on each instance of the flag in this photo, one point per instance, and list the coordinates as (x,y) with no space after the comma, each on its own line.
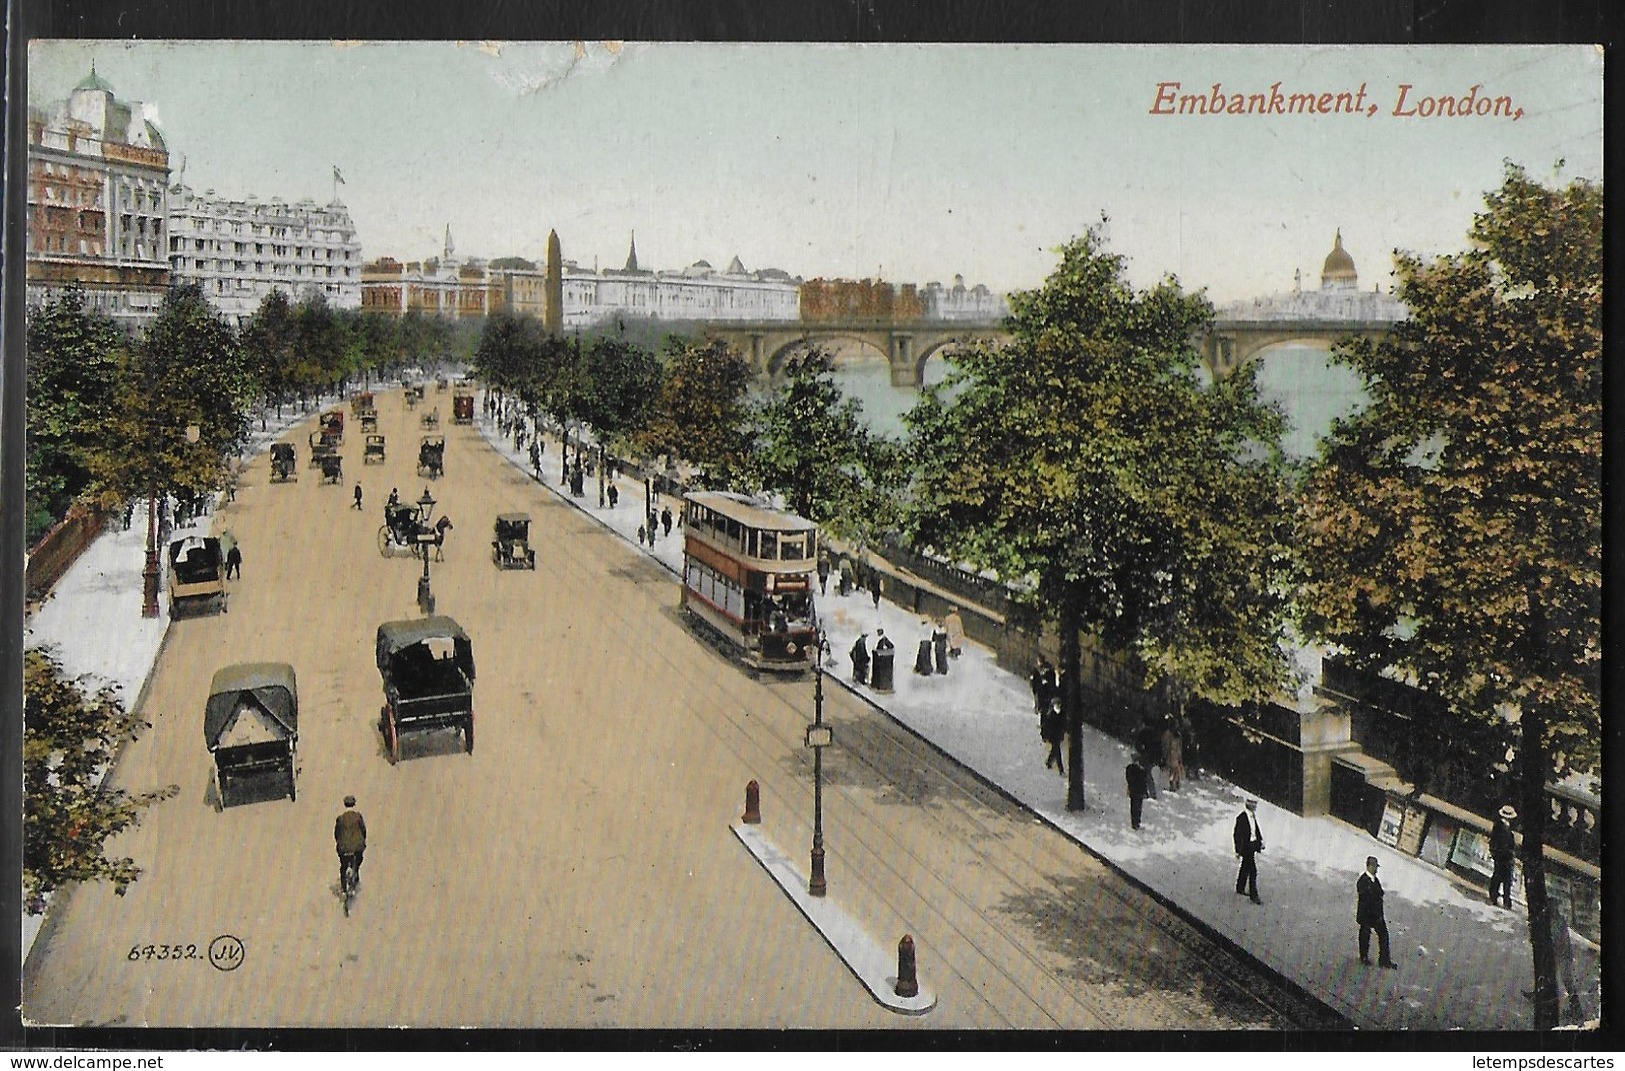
(338,176)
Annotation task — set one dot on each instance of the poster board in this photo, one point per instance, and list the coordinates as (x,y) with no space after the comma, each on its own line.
(1393,818)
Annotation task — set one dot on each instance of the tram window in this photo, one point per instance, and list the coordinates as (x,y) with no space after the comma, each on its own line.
(790,548)
(733,531)
(770,545)
(750,543)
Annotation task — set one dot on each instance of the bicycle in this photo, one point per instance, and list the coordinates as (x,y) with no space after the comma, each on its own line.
(349,877)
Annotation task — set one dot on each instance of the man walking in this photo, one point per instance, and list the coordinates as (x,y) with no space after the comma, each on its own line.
(1249,841)
(234,563)
(1502,846)
(1135,775)
(358,496)
(860,659)
(1368,913)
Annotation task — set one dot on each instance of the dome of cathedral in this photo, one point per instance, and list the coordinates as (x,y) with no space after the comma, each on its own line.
(1338,271)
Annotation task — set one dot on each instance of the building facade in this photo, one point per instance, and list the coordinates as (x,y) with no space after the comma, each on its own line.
(1338,299)
(238,251)
(959,302)
(98,180)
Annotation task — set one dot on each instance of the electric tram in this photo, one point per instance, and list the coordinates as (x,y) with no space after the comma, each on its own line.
(748,579)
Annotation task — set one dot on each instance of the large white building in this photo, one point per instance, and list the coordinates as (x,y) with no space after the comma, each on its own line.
(698,292)
(238,251)
(1339,297)
(98,177)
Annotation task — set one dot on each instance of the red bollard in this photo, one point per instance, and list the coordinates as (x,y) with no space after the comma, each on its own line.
(908,985)
(753,804)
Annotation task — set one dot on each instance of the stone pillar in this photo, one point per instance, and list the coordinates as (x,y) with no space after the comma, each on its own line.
(1324,732)
(903,372)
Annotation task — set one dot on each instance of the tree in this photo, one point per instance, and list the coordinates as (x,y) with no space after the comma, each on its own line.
(621,382)
(702,413)
(74,357)
(187,370)
(70,738)
(1090,462)
(809,439)
(268,341)
(1453,528)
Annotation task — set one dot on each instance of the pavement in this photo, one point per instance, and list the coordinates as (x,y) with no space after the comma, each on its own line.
(1463,964)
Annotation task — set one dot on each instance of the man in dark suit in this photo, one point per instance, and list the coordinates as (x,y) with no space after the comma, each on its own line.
(1135,775)
(1502,847)
(1249,842)
(1368,913)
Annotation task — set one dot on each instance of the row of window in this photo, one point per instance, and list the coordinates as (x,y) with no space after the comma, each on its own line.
(753,542)
(714,588)
(267,230)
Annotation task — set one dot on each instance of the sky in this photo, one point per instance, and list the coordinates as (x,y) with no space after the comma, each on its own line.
(911,163)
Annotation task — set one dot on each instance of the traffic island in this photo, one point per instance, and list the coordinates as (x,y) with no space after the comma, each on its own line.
(875,966)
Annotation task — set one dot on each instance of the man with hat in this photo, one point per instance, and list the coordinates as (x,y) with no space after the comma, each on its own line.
(1501,851)
(1248,842)
(1368,913)
(350,838)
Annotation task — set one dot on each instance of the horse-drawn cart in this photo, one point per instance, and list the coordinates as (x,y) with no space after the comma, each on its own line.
(333,426)
(427,666)
(251,727)
(197,574)
(431,419)
(284,466)
(511,548)
(462,408)
(374,450)
(432,456)
(332,468)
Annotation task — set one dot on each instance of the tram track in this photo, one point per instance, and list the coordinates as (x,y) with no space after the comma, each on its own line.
(890,755)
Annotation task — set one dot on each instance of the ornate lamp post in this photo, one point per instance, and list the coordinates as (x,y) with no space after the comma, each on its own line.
(425,596)
(819,736)
(149,573)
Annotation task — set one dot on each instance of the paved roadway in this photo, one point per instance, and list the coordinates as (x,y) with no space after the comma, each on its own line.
(577,870)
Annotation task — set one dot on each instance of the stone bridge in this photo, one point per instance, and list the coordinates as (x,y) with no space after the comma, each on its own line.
(1232,343)
(907,345)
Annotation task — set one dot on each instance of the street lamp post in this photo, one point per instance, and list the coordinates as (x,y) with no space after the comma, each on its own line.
(819,736)
(149,572)
(425,596)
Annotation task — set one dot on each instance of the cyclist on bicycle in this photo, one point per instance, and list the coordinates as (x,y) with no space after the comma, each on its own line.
(350,838)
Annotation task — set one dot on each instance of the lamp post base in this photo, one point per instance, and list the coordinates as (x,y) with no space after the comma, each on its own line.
(425,596)
(149,589)
(816,885)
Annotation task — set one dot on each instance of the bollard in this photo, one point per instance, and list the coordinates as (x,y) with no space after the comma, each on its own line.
(908,985)
(753,804)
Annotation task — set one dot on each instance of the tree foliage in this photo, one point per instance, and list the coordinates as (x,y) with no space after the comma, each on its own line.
(620,382)
(70,738)
(810,441)
(702,412)
(187,370)
(74,362)
(1453,529)
(1091,457)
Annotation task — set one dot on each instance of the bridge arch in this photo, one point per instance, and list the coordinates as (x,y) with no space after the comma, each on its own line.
(774,360)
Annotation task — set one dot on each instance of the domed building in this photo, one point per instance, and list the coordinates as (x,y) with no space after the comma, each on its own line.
(1338,299)
(1338,272)
(98,180)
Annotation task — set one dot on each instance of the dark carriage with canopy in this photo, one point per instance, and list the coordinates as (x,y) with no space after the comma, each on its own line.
(251,727)
(374,450)
(284,465)
(322,446)
(511,547)
(427,666)
(332,468)
(333,426)
(197,575)
(432,456)
(462,408)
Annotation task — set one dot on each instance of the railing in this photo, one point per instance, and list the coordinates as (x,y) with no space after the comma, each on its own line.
(59,548)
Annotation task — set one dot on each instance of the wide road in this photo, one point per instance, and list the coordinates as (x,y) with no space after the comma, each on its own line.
(577,870)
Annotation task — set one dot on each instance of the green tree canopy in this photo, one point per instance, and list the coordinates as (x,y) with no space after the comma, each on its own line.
(702,412)
(1453,529)
(75,359)
(1093,458)
(70,737)
(811,442)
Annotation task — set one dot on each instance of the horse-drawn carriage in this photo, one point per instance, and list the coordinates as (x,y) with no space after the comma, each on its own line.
(462,408)
(361,401)
(427,666)
(511,548)
(406,526)
(432,456)
(251,727)
(414,395)
(369,420)
(333,426)
(441,383)
(332,468)
(197,574)
(374,450)
(431,419)
(321,446)
(284,466)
